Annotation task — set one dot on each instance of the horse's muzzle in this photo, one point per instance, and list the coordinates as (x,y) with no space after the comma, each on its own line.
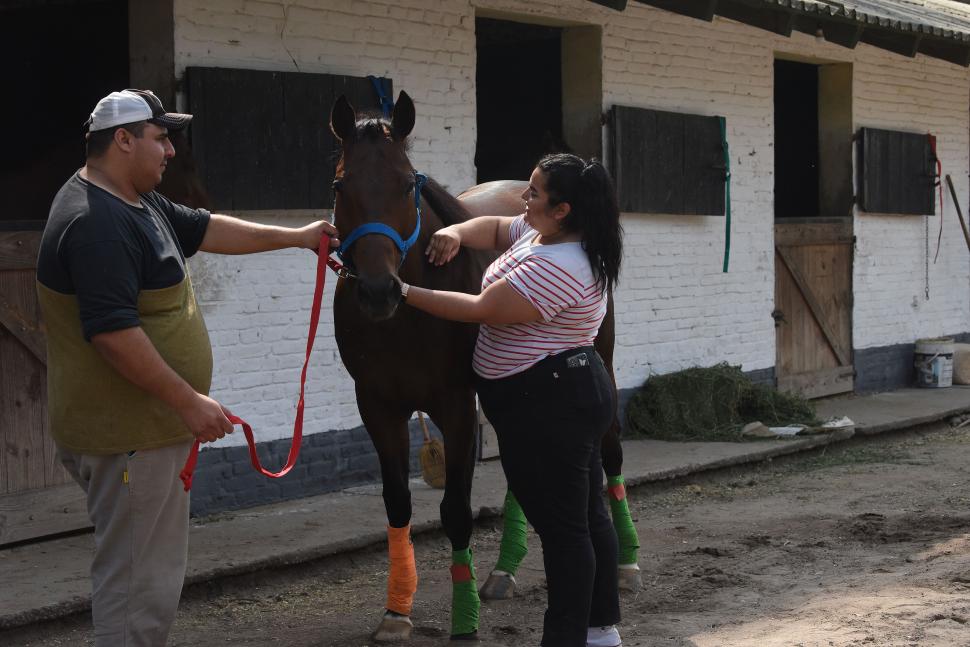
(379,296)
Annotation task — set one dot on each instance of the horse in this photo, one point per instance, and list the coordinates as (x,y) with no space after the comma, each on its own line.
(403,360)
(504,198)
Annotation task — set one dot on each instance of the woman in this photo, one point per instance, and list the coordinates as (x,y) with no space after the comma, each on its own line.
(541,384)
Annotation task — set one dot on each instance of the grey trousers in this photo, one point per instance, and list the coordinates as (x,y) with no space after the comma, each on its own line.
(141,517)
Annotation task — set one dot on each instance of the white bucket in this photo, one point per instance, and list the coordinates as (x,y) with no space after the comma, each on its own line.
(934,362)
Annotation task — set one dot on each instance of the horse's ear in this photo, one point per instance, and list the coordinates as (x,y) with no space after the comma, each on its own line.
(343,120)
(402,120)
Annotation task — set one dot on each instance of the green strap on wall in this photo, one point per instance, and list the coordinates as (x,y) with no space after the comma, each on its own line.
(727,193)
(514,544)
(464,597)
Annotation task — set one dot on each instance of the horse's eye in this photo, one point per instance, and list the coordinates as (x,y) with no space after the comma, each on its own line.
(410,189)
(336,186)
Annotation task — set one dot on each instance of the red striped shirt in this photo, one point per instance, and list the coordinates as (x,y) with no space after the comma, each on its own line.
(558,280)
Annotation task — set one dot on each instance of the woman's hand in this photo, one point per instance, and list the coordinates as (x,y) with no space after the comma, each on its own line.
(444,245)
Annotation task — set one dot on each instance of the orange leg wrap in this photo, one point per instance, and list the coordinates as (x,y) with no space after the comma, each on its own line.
(402,580)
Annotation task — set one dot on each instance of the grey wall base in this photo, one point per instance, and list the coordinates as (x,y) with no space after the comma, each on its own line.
(888,367)
(225,480)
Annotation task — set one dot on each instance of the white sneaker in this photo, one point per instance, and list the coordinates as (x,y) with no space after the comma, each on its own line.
(603,637)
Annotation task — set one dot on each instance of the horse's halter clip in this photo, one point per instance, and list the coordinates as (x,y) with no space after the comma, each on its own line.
(347,270)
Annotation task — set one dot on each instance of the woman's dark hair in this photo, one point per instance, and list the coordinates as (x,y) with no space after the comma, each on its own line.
(593,210)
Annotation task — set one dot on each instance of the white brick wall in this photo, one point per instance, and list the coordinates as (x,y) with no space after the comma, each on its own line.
(675,307)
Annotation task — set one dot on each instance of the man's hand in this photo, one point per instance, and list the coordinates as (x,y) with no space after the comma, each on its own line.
(205,418)
(444,245)
(310,235)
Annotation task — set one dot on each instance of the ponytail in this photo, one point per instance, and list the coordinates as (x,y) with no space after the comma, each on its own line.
(593,212)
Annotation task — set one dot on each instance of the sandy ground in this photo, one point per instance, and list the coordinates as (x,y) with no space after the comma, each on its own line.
(864,544)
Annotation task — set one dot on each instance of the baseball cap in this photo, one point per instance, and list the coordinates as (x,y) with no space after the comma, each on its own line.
(129,106)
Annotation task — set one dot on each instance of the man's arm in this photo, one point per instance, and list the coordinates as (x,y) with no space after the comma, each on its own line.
(228,235)
(130,352)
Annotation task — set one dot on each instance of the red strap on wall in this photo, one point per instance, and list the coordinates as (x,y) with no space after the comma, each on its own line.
(323,261)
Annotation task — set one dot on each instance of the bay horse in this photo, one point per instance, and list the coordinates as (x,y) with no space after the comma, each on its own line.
(403,360)
(504,198)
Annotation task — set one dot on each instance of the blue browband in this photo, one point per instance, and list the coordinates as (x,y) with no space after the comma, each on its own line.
(380,228)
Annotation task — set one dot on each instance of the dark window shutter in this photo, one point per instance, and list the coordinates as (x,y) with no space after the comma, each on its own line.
(262,140)
(667,162)
(897,172)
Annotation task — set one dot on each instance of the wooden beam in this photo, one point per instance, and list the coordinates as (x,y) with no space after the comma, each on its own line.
(30,514)
(151,48)
(619,5)
(18,249)
(813,305)
(905,43)
(14,321)
(846,34)
(946,50)
(813,232)
(779,21)
(700,9)
(820,383)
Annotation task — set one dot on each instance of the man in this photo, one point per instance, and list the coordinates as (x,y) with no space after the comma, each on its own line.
(129,360)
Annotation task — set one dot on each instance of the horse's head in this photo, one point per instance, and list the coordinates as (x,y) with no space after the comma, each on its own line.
(377,193)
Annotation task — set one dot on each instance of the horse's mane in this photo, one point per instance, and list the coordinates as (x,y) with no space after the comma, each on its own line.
(446,206)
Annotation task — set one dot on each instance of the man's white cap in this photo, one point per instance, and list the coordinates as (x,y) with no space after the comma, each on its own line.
(129,106)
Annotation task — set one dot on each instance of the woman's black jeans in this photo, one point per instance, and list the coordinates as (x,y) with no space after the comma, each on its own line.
(549,421)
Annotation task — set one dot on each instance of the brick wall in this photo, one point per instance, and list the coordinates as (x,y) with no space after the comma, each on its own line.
(675,306)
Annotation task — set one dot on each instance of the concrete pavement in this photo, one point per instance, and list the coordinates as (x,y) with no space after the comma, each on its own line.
(49,579)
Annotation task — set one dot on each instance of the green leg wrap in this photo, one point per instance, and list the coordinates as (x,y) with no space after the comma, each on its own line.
(464,593)
(514,545)
(626,533)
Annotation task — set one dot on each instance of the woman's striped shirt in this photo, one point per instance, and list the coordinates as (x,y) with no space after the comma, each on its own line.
(558,280)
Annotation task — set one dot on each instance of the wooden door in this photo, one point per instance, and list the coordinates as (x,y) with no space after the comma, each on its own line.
(813,307)
(37,496)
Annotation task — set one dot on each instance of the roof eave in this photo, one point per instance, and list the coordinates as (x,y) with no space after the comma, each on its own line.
(845,27)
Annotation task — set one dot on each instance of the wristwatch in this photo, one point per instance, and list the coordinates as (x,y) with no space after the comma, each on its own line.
(404,291)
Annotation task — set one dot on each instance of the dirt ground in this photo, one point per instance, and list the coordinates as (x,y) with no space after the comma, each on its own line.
(867,543)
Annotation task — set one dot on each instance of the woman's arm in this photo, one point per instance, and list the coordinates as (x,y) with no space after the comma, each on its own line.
(498,304)
(486,232)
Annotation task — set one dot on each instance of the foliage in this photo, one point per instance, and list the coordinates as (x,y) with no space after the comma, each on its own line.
(710,404)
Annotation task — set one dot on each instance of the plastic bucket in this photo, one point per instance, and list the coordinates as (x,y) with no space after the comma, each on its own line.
(934,362)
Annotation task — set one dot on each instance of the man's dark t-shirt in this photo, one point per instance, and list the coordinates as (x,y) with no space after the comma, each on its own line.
(104,266)
(105,251)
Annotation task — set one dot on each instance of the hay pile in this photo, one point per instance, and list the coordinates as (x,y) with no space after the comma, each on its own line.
(710,404)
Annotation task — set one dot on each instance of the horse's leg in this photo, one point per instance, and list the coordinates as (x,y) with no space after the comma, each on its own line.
(458,420)
(500,584)
(611,452)
(388,430)
(626,533)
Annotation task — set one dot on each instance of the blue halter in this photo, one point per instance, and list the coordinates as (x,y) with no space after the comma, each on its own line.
(380,228)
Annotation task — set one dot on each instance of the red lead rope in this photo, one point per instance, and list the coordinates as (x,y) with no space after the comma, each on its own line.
(323,261)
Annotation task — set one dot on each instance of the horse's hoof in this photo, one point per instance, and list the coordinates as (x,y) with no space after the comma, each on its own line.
(393,628)
(628,578)
(498,586)
(473,636)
